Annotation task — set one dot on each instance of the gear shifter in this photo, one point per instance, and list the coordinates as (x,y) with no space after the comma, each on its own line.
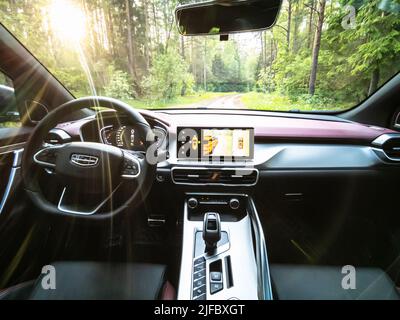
(211,231)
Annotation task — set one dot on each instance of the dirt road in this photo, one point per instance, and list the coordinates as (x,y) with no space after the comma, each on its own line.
(224,102)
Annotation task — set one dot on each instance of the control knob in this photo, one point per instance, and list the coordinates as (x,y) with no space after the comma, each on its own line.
(234,204)
(192,203)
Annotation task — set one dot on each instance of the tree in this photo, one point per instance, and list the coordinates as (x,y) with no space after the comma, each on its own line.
(160,84)
(219,69)
(131,56)
(289,24)
(367,53)
(118,87)
(310,22)
(317,46)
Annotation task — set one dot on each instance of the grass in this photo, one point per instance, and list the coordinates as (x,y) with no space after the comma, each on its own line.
(251,100)
(180,101)
(10,124)
(278,102)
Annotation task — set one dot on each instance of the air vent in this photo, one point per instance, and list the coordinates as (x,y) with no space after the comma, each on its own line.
(220,176)
(389,144)
(392,148)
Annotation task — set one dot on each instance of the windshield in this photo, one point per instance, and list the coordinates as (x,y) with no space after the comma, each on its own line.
(320,56)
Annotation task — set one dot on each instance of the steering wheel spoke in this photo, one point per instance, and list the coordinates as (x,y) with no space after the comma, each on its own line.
(65,205)
(47,156)
(132,164)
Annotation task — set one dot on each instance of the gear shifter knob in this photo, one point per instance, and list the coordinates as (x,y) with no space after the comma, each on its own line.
(211,230)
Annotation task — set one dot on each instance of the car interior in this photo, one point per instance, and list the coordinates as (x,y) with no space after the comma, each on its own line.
(152,204)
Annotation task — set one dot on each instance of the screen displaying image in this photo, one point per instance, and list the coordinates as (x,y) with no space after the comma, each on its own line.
(226,143)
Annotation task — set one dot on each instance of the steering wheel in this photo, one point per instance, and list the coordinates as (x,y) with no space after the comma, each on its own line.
(95,168)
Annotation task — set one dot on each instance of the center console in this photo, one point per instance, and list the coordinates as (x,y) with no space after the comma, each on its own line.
(224,254)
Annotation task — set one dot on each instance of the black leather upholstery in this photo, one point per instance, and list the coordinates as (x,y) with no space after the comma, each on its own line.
(96,281)
(325,283)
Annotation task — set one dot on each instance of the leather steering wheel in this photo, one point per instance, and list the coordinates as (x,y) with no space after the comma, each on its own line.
(97,168)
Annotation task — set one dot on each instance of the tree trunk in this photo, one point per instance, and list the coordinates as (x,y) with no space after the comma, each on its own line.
(317,46)
(289,25)
(270,65)
(110,28)
(131,63)
(166,24)
(92,39)
(265,50)
(183,47)
(147,38)
(205,64)
(297,21)
(373,85)
(155,25)
(98,24)
(262,53)
(310,24)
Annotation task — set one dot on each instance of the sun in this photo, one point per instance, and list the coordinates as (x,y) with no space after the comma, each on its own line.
(67,20)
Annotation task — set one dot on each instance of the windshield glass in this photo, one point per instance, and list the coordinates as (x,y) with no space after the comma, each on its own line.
(320,56)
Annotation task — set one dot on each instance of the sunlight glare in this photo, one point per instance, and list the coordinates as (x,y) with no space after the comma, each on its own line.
(67,20)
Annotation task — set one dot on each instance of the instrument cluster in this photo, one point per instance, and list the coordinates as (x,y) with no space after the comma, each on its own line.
(125,137)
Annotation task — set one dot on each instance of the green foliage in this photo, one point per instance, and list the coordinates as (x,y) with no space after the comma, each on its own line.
(373,45)
(169,77)
(10,124)
(292,73)
(137,55)
(119,85)
(73,79)
(219,69)
(280,102)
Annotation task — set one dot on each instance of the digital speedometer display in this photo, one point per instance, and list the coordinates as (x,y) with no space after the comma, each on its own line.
(122,137)
(125,137)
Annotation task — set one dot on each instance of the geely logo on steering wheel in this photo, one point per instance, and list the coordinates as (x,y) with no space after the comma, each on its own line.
(84,160)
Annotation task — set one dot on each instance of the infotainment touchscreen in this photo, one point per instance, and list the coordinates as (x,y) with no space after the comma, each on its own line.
(211,143)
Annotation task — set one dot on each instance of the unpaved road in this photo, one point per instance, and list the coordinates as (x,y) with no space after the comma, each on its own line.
(225,102)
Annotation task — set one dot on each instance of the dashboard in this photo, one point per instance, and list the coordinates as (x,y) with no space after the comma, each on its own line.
(227,139)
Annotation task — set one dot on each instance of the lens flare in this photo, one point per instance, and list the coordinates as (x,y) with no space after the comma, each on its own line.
(67,20)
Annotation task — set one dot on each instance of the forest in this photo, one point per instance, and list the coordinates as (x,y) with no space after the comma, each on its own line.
(321,54)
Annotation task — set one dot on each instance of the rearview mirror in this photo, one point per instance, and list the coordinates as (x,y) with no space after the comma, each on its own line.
(226,16)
